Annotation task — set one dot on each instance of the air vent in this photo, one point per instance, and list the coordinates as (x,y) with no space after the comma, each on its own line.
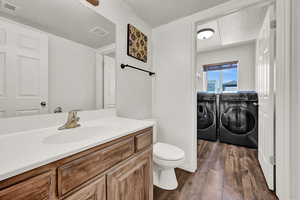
(8,7)
(99,31)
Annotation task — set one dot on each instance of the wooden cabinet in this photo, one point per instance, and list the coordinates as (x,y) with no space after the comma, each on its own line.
(132,180)
(143,140)
(117,170)
(93,191)
(76,172)
(35,188)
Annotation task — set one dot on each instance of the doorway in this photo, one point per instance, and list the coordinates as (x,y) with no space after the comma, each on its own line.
(235,52)
(282,116)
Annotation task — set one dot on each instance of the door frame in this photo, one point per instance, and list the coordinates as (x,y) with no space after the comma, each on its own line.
(282,98)
(100,71)
(107,49)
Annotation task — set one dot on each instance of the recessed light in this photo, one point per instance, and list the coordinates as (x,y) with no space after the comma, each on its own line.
(205,33)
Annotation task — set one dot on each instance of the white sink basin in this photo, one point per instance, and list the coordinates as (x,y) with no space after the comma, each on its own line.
(78,134)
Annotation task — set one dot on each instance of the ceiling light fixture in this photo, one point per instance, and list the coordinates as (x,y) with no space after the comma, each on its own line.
(205,33)
(93,2)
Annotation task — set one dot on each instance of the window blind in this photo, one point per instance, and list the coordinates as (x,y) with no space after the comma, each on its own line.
(220,66)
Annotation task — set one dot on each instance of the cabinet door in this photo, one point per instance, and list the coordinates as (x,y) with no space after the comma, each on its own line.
(35,188)
(93,191)
(132,180)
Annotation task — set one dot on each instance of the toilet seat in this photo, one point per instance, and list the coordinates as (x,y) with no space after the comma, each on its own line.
(167,152)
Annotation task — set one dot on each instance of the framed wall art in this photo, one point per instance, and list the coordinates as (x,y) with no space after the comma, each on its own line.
(137,44)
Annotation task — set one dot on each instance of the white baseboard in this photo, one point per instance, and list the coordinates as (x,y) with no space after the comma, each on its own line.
(188,169)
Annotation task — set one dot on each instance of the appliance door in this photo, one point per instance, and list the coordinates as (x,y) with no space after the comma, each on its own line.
(239,120)
(205,115)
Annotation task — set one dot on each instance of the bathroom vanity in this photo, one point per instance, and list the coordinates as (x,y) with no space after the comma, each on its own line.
(115,163)
(56,69)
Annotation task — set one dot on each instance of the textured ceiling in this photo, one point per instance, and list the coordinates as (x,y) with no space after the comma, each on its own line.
(233,29)
(158,12)
(65,18)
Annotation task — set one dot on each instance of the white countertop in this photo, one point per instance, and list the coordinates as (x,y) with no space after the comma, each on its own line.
(23,151)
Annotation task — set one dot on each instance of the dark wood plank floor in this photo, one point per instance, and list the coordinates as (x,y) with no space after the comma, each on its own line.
(225,172)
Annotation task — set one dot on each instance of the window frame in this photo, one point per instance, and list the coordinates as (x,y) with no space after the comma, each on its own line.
(205,81)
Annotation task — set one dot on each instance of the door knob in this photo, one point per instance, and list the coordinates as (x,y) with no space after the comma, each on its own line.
(43,103)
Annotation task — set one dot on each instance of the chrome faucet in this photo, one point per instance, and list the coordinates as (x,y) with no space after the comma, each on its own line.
(72,121)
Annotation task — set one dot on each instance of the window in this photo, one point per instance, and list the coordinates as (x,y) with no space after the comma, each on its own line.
(221,77)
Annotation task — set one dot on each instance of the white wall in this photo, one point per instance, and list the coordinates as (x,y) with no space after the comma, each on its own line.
(134,88)
(71,75)
(174,100)
(245,54)
(295,102)
(173,106)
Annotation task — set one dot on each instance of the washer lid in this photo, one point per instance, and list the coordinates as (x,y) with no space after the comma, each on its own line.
(167,152)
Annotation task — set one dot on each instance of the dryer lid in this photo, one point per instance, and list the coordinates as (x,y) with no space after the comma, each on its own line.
(206,96)
(167,152)
(240,96)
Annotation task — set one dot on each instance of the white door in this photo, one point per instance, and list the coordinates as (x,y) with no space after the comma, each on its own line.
(23,70)
(99,81)
(109,82)
(265,69)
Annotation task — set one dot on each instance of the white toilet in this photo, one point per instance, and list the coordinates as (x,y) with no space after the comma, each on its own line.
(166,158)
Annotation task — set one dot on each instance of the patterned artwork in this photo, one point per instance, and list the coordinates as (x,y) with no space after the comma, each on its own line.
(137,44)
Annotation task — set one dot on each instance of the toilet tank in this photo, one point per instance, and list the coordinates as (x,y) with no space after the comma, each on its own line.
(154,129)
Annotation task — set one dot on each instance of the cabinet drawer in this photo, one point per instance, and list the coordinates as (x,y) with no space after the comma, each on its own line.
(143,140)
(36,188)
(81,170)
(93,191)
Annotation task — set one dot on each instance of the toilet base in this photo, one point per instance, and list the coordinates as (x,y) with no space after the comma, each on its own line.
(164,178)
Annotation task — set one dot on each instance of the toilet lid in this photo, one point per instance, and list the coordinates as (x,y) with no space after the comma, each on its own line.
(167,152)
